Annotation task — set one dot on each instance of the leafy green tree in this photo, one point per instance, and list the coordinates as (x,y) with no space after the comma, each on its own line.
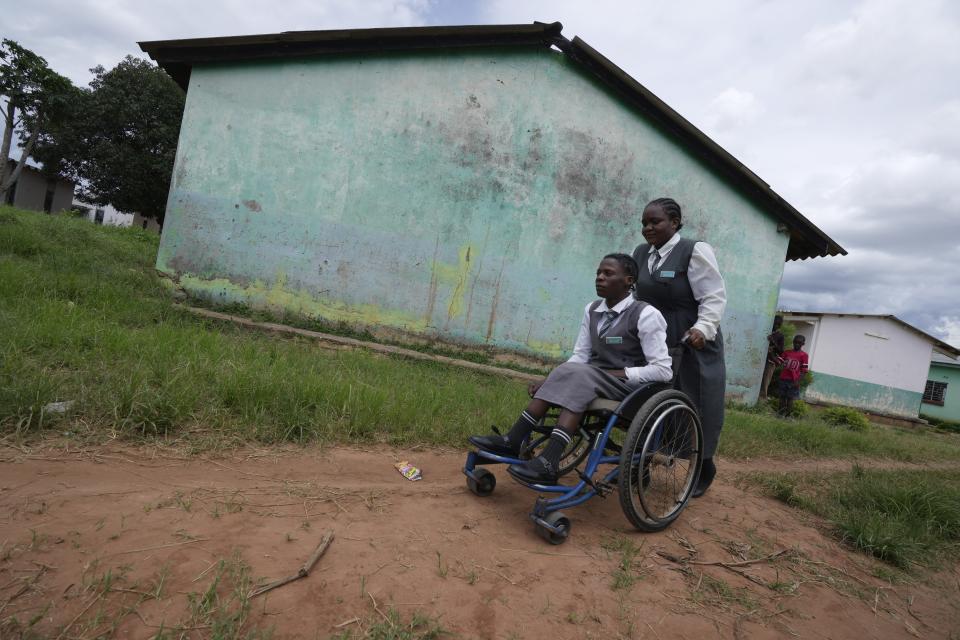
(33,100)
(122,137)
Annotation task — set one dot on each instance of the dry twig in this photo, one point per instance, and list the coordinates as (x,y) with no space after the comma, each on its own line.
(303,572)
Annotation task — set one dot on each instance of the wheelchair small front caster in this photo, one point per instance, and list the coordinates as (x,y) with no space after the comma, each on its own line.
(485,483)
(554,527)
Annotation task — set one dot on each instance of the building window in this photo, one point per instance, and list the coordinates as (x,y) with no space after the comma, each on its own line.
(48,200)
(935,392)
(98,216)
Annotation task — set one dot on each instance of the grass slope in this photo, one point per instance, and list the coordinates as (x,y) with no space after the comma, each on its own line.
(906,518)
(85,319)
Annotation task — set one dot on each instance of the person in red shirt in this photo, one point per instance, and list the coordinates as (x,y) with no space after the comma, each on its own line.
(794,366)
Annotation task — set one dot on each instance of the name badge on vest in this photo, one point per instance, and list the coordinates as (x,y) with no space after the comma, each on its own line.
(667,274)
(613,340)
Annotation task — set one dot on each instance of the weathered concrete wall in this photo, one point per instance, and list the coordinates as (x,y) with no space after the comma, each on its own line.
(865,362)
(468,196)
(950,374)
(847,392)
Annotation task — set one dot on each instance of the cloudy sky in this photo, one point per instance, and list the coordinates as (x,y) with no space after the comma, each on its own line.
(848,109)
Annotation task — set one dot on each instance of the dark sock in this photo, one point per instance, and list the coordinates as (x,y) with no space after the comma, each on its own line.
(521,429)
(555,445)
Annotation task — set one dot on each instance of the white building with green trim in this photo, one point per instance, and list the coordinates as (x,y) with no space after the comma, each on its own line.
(877,363)
(941,396)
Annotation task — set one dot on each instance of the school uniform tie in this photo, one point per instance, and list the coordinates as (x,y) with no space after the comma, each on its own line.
(656,262)
(605,322)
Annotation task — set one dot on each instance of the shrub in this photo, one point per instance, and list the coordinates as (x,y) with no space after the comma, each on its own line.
(846,417)
(798,410)
(942,423)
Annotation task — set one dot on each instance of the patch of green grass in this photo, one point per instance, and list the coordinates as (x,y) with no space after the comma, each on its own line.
(752,432)
(86,319)
(906,518)
(223,608)
(942,423)
(626,573)
(718,593)
(390,626)
(845,417)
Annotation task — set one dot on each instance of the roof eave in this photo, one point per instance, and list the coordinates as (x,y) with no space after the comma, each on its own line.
(178,56)
(806,239)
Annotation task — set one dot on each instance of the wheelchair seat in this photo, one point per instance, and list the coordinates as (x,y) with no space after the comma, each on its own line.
(600,405)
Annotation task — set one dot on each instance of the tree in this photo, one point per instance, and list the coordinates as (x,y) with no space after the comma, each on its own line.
(37,99)
(120,141)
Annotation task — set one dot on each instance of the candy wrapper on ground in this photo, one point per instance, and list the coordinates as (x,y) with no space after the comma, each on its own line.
(409,471)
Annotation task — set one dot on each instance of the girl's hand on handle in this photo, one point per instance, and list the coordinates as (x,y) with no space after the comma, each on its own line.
(695,338)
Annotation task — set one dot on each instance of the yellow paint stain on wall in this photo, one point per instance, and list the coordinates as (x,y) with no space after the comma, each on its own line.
(275,297)
(552,349)
(457,277)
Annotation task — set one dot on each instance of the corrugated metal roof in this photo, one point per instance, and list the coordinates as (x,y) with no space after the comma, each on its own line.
(939,358)
(938,345)
(177,57)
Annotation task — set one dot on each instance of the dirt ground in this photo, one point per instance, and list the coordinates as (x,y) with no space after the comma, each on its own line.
(127,542)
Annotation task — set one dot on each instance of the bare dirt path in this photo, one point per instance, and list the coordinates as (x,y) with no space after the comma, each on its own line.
(88,536)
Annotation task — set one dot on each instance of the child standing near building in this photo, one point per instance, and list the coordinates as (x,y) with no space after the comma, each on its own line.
(794,366)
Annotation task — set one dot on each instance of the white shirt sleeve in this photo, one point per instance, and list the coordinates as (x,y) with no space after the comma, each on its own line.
(652,329)
(708,289)
(583,346)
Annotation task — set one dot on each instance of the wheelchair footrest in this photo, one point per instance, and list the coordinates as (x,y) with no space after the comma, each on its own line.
(603,489)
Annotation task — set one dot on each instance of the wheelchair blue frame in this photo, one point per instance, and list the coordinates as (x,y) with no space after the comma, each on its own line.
(586,488)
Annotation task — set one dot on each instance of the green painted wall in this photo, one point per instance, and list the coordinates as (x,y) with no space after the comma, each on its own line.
(863,395)
(951,403)
(467,196)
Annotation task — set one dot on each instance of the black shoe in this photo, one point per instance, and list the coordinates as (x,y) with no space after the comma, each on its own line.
(707,473)
(536,471)
(495,444)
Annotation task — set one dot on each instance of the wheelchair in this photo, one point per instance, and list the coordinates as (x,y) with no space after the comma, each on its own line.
(653,441)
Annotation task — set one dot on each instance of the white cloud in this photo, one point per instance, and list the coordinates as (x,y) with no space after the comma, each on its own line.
(75,36)
(850,109)
(732,109)
(948,329)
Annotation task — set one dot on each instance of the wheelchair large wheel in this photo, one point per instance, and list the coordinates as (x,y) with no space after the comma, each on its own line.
(660,461)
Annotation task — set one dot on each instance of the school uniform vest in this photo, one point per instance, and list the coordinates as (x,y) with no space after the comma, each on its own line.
(668,288)
(620,346)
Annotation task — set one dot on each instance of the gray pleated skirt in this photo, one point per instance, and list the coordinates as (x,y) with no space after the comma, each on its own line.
(574,386)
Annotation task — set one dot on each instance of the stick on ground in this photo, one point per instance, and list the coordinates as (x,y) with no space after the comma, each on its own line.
(303,571)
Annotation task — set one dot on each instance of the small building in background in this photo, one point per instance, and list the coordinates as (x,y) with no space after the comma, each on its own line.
(941,396)
(877,363)
(35,190)
(456,184)
(103,214)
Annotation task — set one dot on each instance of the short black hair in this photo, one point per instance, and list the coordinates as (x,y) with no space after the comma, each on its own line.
(670,207)
(627,263)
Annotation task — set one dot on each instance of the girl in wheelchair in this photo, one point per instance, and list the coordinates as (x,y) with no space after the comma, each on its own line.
(622,343)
